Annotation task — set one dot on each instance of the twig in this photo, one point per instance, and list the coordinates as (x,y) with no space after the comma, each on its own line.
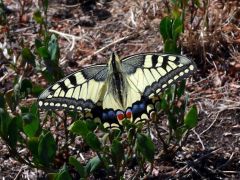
(18,174)
(206,155)
(226,163)
(199,138)
(211,124)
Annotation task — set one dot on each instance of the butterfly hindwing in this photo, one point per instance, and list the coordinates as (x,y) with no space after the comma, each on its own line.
(80,90)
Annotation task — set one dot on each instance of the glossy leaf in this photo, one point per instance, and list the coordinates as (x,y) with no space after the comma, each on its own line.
(63,174)
(30,124)
(26,86)
(31,121)
(166,28)
(33,146)
(117,152)
(170,46)
(13,131)
(37,90)
(190,120)
(177,28)
(92,140)
(92,165)
(45,5)
(46,148)
(43,52)
(53,49)
(4,123)
(181,88)
(28,56)
(145,146)
(77,165)
(80,128)
(38,17)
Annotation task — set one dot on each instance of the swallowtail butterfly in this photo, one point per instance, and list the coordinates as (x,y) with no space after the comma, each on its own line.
(117,90)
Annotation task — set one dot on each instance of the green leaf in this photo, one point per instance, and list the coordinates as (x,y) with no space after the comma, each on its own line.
(43,53)
(26,86)
(46,148)
(177,28)
(52,176)
(38,43)
(92,140)
(28,56)
(145,146)
(38,17)
(31,121)
(45,5)
(30,124)
(63,174)
(92,165)
(37,90)
(190,120)
(181,88)
(117,152)
(179,132)
(33,146)
(170,46)
(13,131)
(91,125)
(77,165)
(164,104)
(4,123)
(166,28)
(53,48)
(80,128)
(172,121)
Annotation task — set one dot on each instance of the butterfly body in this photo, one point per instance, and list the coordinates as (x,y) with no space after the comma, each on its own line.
(117,90)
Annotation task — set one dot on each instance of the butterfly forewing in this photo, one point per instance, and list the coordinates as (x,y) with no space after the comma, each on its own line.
(79,90)
(151,73)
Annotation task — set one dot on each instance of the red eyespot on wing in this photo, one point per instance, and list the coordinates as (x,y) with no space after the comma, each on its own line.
(128,113)
(120,115)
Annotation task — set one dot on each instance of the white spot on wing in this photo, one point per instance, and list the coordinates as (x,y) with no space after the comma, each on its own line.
(148,61)
(55,86)
(160,61)
(106,125)
(172,58)
(191,67)
(186,70)
(40,103)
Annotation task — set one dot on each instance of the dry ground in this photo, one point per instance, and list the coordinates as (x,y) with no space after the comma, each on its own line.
(129,27)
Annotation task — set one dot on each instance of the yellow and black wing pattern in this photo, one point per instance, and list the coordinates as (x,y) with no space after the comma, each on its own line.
(120,89)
